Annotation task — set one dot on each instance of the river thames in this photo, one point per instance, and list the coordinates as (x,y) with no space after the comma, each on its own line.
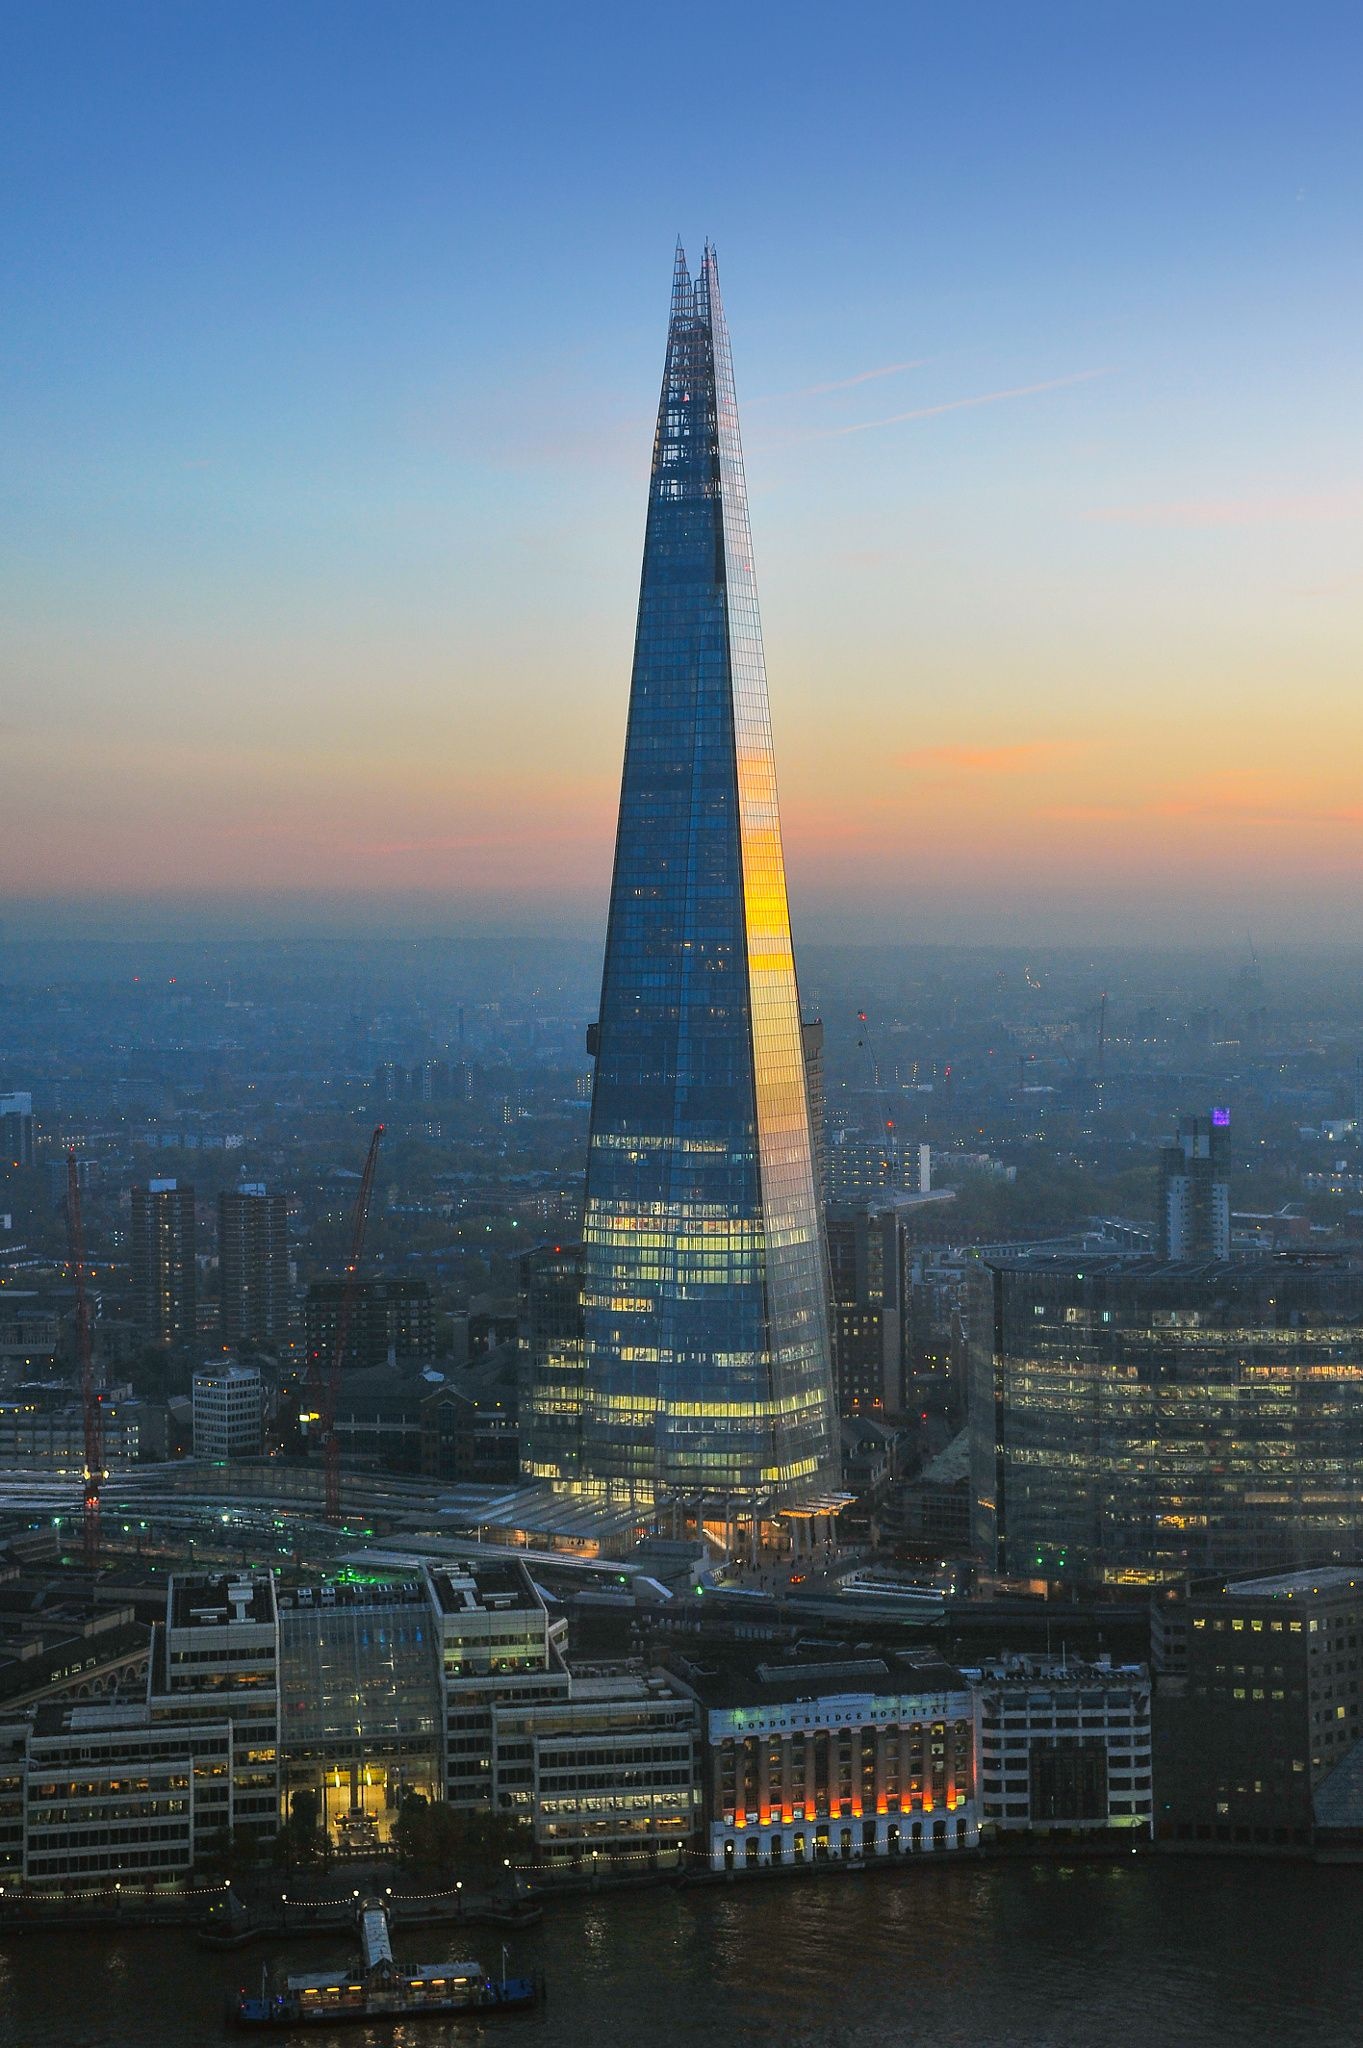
(1152,1953)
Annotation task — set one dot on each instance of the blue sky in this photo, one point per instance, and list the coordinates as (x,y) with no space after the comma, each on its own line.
(333,340)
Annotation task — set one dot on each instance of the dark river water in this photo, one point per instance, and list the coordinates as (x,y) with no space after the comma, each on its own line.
(1164,1954)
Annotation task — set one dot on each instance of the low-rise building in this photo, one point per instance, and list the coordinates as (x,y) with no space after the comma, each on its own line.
(613,1770)
(108,1792)
(34,1432)
(807,1759)
(30,1330)
(447,1681)
(1064,1748)
(87,1655)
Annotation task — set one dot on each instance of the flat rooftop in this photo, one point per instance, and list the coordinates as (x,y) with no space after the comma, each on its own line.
(1078,1265)
(466,1587)
(214,1601)
(1329,1578)
(66,1717)
(1055,1672)
(326,1596)
(757,1676)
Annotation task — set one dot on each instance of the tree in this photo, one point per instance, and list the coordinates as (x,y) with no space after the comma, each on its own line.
(302,1839)
(433,1836)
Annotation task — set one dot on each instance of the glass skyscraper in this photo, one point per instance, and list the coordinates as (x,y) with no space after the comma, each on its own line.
(705,1321)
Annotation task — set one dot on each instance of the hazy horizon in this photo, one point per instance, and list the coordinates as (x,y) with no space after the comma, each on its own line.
(335,347)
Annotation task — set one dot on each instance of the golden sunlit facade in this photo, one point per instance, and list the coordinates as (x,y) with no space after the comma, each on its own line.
(705,1325)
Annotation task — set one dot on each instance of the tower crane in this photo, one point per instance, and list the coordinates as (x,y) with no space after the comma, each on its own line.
(331,1443)
(867,1045)
(89,1394)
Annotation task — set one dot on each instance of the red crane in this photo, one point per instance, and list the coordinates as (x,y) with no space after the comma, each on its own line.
(89,1395)
(331,1443)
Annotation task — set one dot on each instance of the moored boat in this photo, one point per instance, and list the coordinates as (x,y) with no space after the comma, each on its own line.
(380,1988)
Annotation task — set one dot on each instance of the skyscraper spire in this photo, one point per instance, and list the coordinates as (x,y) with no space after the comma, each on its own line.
(707,1368)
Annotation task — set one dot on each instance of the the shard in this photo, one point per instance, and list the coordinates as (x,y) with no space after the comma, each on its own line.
(706,1365)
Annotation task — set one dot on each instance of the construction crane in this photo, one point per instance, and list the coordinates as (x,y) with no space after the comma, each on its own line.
(331,1443)
(89,1394)
(870,1045)
(866,1044)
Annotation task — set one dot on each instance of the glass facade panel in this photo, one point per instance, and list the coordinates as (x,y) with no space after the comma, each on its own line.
(705,1327)
(359,1694)
(1134,1421)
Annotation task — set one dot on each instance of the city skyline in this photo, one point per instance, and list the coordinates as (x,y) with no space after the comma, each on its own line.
(589,1349)
(1045,386)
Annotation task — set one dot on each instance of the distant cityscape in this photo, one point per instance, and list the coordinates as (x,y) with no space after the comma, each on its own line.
(722,1428)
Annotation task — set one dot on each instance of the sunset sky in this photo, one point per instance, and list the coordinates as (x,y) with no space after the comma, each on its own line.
(332,345)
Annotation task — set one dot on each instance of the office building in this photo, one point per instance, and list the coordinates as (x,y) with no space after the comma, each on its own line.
(390,1320)
(551,1363)
(347,1695)
(16,1130)
(808,1759)
(38,1429)
(1131,1421)
(163,1247)
(869,1276)
(228,1412)
(469,1436)
(253,1266)
(1064,1748)
(359,1702)
(707,1365)
(56,1177)
(495,1648)
(59,1649)
(857,1169)
(214,1661)
(31,1332)
(612,1771)
(430,1081)
(1259,1718)
(1194,1195)
(107,1794)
